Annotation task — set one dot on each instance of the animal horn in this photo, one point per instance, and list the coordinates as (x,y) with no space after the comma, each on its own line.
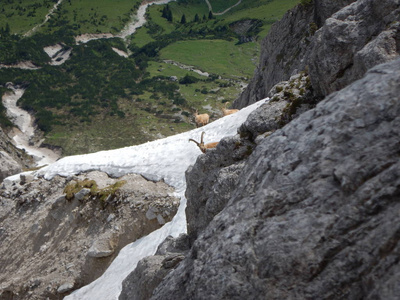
(194,142)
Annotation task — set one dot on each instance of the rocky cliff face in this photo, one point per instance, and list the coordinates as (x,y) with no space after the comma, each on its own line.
(59,235)
(352,41)
(337,48)
(12,160)
(314,214)
(303,203)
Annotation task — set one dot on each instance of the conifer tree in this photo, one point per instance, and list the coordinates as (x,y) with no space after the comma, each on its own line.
(183,19)
(196,18)
(164,12)
(7,30)
(210,15)
(169,15)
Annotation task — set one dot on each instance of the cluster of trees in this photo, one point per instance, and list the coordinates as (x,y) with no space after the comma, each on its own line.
(167,14)
(188,79)
(5,30)
(91,82)
(22,9)
(14,49)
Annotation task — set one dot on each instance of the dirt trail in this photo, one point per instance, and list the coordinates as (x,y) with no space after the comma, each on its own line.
(137,21)
(225,11)
(186,67)
(46,18)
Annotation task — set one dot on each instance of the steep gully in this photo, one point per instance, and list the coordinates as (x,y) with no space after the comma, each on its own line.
(24,131)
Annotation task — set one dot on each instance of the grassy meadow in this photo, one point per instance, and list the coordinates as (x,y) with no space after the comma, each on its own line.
(215,56)
(21,16)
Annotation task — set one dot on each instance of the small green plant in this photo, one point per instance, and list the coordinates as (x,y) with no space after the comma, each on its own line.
(249,150)
(313,28)
(279,89)
(110,190)
(308,83)
(289,95)
(275,99)
(74,187)
(102,194)
(305,2)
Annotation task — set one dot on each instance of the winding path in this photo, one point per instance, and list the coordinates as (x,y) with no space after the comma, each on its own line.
(185,67)
(46,18)
(137,21)
(225,11)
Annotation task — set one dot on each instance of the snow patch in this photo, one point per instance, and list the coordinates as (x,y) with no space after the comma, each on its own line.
(25,65)
(58,53)
(120,52)
(166,159)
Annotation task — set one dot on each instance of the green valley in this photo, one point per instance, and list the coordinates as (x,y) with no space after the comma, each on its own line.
(114,92)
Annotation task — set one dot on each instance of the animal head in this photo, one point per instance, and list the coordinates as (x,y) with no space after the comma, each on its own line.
(203,147)
(226,111)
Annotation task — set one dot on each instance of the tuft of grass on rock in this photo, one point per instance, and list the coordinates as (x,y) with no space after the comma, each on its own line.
(102,194)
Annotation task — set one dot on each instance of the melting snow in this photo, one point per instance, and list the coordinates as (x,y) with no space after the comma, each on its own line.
(166,159)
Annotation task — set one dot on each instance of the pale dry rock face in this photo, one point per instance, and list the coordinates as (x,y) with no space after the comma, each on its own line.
(8,165)
(50,246)
(12,159)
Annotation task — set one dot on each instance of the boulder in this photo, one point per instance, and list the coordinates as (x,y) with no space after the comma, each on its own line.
(8,165)
(140,284)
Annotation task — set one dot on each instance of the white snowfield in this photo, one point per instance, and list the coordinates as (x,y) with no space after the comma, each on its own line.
(166,159)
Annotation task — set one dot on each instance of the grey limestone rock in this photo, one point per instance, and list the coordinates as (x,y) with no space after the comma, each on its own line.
(8,165)
(315,212)
(264,119)
(356,38)
(102,247)
(286,49)
(12,159)
(81,194)
(26,178)
(211,181)
(150,271)
(66,287)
